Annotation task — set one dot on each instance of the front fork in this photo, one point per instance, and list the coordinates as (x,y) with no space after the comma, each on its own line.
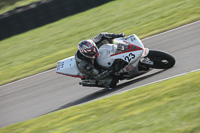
(145,62)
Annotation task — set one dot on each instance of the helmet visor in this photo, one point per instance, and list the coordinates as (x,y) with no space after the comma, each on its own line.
(91,52)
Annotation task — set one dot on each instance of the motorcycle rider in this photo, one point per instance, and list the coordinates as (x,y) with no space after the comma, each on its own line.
(88,51)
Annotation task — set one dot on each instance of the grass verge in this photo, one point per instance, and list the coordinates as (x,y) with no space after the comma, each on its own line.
(167,106)
(39,49)
(8,5)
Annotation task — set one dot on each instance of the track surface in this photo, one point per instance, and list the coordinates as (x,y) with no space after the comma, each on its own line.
(48,92)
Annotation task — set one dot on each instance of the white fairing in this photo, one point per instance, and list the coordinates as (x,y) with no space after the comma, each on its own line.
(68,67)
(129,49)
(104,59)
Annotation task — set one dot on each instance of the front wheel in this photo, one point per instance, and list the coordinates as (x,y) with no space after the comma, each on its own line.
(161,60)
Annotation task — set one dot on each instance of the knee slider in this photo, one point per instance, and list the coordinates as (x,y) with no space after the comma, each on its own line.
(88,67)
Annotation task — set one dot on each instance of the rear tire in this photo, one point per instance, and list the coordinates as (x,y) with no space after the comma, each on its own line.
(161,59)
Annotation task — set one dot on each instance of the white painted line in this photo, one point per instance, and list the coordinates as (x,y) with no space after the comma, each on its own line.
(141,86)
(161,80)
(54,69)
(171,30)
(142,40)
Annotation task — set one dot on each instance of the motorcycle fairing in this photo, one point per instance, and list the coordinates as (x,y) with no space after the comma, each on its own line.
(68,67)
(129,49)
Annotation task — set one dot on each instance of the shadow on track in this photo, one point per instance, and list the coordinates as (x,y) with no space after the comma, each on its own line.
(104,92)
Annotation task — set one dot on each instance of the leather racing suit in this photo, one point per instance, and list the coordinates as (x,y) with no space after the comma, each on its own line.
(89,67)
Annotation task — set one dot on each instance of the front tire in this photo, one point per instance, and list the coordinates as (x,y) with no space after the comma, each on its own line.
(161,60)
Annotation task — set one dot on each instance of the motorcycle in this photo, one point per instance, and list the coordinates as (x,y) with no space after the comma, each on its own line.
(127,56)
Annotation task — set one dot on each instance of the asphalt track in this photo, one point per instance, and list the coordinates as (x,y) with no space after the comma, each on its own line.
(47,92)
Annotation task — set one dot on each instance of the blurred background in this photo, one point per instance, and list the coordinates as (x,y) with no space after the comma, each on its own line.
(18,16)
(35,34)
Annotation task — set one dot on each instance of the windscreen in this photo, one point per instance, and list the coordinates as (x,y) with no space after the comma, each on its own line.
(125,47)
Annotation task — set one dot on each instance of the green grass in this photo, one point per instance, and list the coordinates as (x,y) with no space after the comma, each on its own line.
(40,49)
(8,5)
(170,106)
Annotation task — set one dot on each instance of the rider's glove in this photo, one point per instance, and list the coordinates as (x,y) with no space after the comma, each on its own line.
(121,35)
(118,35)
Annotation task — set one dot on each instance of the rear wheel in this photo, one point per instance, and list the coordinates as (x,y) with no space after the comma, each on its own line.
(161,60)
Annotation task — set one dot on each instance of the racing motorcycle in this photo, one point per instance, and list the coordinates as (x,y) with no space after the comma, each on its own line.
(127,56)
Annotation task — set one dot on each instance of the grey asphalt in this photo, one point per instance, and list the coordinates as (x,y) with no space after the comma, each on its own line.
(48,92)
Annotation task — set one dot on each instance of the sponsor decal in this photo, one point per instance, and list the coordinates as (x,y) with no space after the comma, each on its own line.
(128,68)
(60,65)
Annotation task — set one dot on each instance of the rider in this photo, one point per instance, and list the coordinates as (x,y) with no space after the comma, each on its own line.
(88,51)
